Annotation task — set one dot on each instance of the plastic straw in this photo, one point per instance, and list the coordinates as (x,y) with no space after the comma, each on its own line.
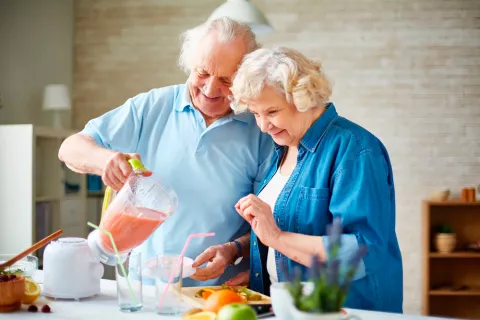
(117,254)
(179,262)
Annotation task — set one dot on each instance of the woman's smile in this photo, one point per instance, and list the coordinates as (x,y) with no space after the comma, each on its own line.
(277,133)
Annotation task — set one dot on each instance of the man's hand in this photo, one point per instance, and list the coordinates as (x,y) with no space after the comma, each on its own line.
(117,169)
(218,258)
(241,279)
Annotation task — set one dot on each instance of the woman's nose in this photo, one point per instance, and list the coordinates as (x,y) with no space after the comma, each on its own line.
(264,125)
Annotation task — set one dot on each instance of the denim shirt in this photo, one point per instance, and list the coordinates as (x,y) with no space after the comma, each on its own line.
(342,170)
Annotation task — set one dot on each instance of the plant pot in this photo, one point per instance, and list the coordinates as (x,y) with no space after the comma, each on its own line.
(11,294)
(445,242)
(301,315)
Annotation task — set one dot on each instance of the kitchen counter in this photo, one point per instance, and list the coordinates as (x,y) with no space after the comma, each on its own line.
(104,306)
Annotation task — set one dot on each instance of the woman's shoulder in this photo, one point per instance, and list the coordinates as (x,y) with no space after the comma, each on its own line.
(349,135)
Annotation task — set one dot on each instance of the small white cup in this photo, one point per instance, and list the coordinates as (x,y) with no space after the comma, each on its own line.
(284,309)
(300,315)
(281,301)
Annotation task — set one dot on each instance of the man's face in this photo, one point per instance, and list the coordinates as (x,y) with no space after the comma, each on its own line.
(210,79)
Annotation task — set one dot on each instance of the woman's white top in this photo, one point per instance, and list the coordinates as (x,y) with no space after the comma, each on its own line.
(269,195)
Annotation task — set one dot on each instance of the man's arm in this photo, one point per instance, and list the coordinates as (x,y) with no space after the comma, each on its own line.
(245,243)
(81,154)
(105,144)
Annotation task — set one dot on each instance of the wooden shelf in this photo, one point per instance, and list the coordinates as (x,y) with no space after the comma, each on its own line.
(47,198)
(33,202)
(48,132)
(462,255)
(75,195)
(444,273)
(95,194)
(454,293)
(452,203)
(58,198)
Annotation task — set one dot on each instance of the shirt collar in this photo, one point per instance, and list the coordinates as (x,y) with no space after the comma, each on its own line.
(312,137)
(186,101)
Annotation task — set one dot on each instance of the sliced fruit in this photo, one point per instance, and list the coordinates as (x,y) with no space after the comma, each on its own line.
(192,311)
(221,298)
(204,315)
(206,294)
(32,291)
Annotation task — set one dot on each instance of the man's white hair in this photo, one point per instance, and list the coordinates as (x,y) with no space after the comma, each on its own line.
(286,71)
(227,30)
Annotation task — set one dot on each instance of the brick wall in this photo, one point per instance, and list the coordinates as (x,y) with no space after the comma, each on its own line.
(409,71)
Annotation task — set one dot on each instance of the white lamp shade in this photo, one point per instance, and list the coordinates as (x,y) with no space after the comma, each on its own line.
(56,97)
(243,11)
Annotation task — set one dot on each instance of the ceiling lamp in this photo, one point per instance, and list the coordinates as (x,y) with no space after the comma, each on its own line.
(246,12)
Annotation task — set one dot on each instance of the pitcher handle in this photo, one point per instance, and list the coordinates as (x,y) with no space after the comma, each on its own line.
(137,167)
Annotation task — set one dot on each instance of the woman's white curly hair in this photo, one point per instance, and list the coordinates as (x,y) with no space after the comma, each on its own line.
(285,70)
(227,30)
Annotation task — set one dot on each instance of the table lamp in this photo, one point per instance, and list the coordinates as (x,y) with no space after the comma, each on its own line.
(56,98)
(243,11)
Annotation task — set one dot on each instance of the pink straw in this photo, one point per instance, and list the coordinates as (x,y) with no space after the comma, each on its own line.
(180,259)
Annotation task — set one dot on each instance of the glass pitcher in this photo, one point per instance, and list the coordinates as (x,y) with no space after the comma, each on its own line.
(143,203)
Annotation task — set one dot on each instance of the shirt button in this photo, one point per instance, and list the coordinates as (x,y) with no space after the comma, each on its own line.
(278,219)
(254,243)
(257,275)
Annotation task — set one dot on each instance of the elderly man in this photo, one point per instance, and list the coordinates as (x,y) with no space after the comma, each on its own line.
(188,134)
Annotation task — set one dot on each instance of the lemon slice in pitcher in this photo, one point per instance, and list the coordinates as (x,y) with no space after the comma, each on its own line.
(32,291)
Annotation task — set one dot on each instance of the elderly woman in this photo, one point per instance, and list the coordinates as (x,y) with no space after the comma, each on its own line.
(324,166)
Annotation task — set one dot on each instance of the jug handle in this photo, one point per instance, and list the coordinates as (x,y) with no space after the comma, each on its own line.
(137,167)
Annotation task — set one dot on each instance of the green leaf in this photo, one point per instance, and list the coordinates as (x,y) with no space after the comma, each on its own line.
(9,272)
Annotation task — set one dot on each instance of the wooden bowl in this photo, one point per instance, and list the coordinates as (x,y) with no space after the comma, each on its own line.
(11,294)
(441,195)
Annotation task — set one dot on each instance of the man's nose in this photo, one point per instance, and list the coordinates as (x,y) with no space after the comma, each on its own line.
(211,87)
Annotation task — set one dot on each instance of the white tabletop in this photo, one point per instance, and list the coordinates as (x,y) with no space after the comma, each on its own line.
(104,306)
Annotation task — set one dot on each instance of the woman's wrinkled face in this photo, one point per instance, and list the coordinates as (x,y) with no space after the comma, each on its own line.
(210,79)
(280,119)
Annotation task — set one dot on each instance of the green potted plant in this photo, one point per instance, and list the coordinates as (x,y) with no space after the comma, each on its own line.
(329,282)
(445,238)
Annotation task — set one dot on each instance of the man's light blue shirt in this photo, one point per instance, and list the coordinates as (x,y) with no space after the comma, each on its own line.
(209,168)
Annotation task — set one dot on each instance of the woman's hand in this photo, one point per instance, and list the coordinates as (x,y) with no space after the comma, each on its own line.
(241,279)
(117,169)
(260,216)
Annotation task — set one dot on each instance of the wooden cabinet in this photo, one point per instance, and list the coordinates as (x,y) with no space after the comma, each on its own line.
(38,193)
(451,285)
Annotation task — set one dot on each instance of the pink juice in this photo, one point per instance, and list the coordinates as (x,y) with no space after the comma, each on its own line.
(130,230)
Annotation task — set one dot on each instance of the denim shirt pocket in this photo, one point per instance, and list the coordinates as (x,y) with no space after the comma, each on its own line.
(311,212)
